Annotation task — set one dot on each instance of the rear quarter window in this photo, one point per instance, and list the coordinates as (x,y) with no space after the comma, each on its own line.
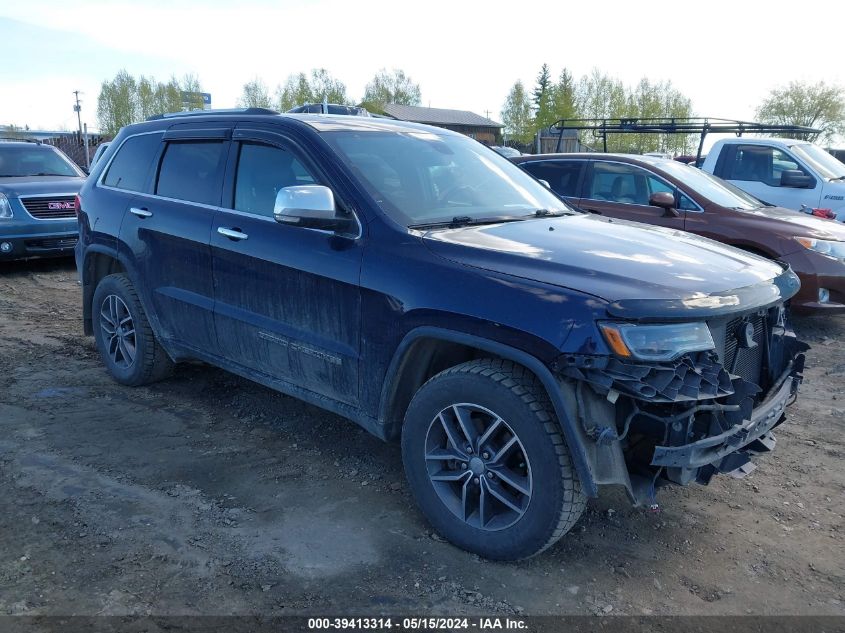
(131,166)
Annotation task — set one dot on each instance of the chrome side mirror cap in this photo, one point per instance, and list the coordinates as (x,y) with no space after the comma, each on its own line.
(308,206)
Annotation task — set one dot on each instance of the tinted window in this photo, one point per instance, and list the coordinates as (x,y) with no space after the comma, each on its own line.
(191,171)
(262,171)
(758,163)
(627,184)
(34,160)
(130,168)
(562,176)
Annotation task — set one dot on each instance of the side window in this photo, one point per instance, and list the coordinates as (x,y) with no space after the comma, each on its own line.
(562,176)
(686,204)
(190,171)
(617,182)
(131,166)
(781,162)
(263,170)
(758,163)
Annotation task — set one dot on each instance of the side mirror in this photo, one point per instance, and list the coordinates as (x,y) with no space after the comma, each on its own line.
(309,206)
(665,201)
(545,183)
(795,178)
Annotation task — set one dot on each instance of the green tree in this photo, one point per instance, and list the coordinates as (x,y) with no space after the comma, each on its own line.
(391,87)
(117,103)
(324,86)
(191,89)
(255,95)
(818,105)
(517,116)
(125,100)
(295,92)
(542,98)
(563,101)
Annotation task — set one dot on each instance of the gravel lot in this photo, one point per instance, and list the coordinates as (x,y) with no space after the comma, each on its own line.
(209,494)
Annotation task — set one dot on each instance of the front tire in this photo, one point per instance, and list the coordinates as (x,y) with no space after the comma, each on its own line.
(123,334)
(486,461)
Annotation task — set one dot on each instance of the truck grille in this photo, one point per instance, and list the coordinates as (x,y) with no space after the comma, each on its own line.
(50,208)
(738,359)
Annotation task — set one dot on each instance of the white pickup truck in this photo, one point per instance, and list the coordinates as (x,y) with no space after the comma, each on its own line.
(783,172)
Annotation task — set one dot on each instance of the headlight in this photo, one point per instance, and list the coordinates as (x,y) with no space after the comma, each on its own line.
(825,247)
(5,208)
(657,342)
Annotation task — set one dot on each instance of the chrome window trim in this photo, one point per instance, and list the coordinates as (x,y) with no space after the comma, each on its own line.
(154,196)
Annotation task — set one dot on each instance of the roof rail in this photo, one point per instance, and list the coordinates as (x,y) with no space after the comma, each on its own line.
(675,125)
(175,115)
(22,140)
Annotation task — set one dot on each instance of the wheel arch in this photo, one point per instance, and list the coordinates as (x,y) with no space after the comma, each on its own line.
(408,371)
(99,262)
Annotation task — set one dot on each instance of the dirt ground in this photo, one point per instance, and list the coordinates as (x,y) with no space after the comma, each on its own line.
(209,494)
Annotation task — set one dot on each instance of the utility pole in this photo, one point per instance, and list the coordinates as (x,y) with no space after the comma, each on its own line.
(78,109)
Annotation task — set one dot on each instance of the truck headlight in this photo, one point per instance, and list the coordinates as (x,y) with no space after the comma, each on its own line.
(825,247)
(657,342)
(5,208)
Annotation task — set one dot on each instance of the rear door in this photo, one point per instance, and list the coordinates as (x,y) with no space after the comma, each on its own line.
(622,190)
(169,230)
(564,176)
(287,298)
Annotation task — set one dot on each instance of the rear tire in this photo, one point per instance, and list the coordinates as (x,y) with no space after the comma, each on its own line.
(501,506)
(123,334)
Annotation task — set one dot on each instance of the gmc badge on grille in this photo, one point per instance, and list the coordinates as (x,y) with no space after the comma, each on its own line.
(60,205)
(745,335)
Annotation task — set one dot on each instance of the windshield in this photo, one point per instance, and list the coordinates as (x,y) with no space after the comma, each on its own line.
(35,160)
(420,177)
(825,164)
(714,189)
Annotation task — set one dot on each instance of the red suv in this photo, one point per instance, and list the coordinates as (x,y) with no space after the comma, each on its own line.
(670,194)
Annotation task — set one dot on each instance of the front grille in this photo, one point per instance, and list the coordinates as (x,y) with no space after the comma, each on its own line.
(50,208)
(745,362)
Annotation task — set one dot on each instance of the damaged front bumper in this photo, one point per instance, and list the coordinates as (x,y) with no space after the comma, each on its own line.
(730,451)
(646,423)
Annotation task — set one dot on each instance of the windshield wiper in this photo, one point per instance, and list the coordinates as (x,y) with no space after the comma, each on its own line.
(465,220)
(837,178)
(545,213)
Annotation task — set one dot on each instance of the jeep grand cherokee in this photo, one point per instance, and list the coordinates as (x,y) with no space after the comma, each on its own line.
(416,282)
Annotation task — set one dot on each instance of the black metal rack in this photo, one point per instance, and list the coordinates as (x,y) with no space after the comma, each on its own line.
(674,125)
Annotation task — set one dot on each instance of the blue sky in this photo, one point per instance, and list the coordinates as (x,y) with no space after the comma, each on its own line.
(725,55)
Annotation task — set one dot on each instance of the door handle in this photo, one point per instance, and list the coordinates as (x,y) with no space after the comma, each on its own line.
(232,234)
(141,213)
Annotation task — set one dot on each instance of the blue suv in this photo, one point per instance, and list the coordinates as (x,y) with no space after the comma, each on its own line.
(38,185)
(416,282)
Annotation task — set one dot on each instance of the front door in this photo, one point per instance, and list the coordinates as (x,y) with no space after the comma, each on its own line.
(287,299)
(622,190)
(757,169)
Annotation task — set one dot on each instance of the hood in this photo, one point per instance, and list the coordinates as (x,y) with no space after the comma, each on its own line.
(640,270)
(34,185)
(800,224)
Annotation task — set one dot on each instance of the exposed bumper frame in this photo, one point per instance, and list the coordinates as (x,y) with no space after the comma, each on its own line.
(763,419)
